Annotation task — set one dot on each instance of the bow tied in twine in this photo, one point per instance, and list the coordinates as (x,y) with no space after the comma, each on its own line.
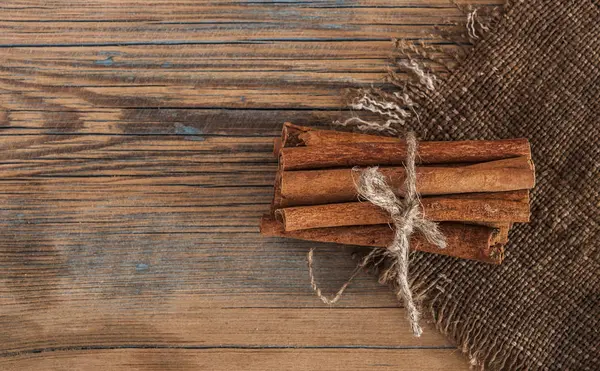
(407,217)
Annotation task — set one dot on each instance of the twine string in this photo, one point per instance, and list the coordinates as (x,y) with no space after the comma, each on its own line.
(406,216)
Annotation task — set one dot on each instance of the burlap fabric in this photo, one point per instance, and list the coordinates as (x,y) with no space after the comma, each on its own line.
(536,75)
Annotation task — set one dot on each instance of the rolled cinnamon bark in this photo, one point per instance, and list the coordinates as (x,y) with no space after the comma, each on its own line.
(389,154)
(522,162)
(276,147)
(301,136)
(278,200)
(503,230)
(304,136)
(463,241)
(289,139)
(313,187)
(434,208)
(521,195)
(503,227)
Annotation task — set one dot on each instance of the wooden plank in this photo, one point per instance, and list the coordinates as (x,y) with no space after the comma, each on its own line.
(241,359)
(330,26)
(275,75)
(165,121)
(181,321)
(297,13)
(114,9)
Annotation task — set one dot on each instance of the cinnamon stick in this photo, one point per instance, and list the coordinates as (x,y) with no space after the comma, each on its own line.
(278,200)
(290,140)
(312,187)
(386,154)
(503,230)
(521,195)
(277,144)
(522,162)
(300,136)
(434,209)
(463,241)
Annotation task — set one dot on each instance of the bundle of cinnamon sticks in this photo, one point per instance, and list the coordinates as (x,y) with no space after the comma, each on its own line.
(476,190)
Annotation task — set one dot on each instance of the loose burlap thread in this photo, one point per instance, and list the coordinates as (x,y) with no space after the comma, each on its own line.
(407,217)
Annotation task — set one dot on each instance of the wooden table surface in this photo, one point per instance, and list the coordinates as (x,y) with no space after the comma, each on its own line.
(135,163)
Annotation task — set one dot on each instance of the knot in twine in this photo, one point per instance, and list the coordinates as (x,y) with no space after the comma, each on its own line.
(406,217)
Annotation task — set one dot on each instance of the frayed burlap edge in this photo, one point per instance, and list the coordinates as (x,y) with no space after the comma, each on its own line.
(426,65)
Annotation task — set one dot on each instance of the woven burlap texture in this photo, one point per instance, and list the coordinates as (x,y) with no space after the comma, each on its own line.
(535,75)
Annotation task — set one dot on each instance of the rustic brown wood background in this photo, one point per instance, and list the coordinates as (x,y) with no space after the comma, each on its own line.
(135,162)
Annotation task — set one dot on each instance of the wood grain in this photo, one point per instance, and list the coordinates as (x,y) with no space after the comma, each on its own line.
(135,163)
